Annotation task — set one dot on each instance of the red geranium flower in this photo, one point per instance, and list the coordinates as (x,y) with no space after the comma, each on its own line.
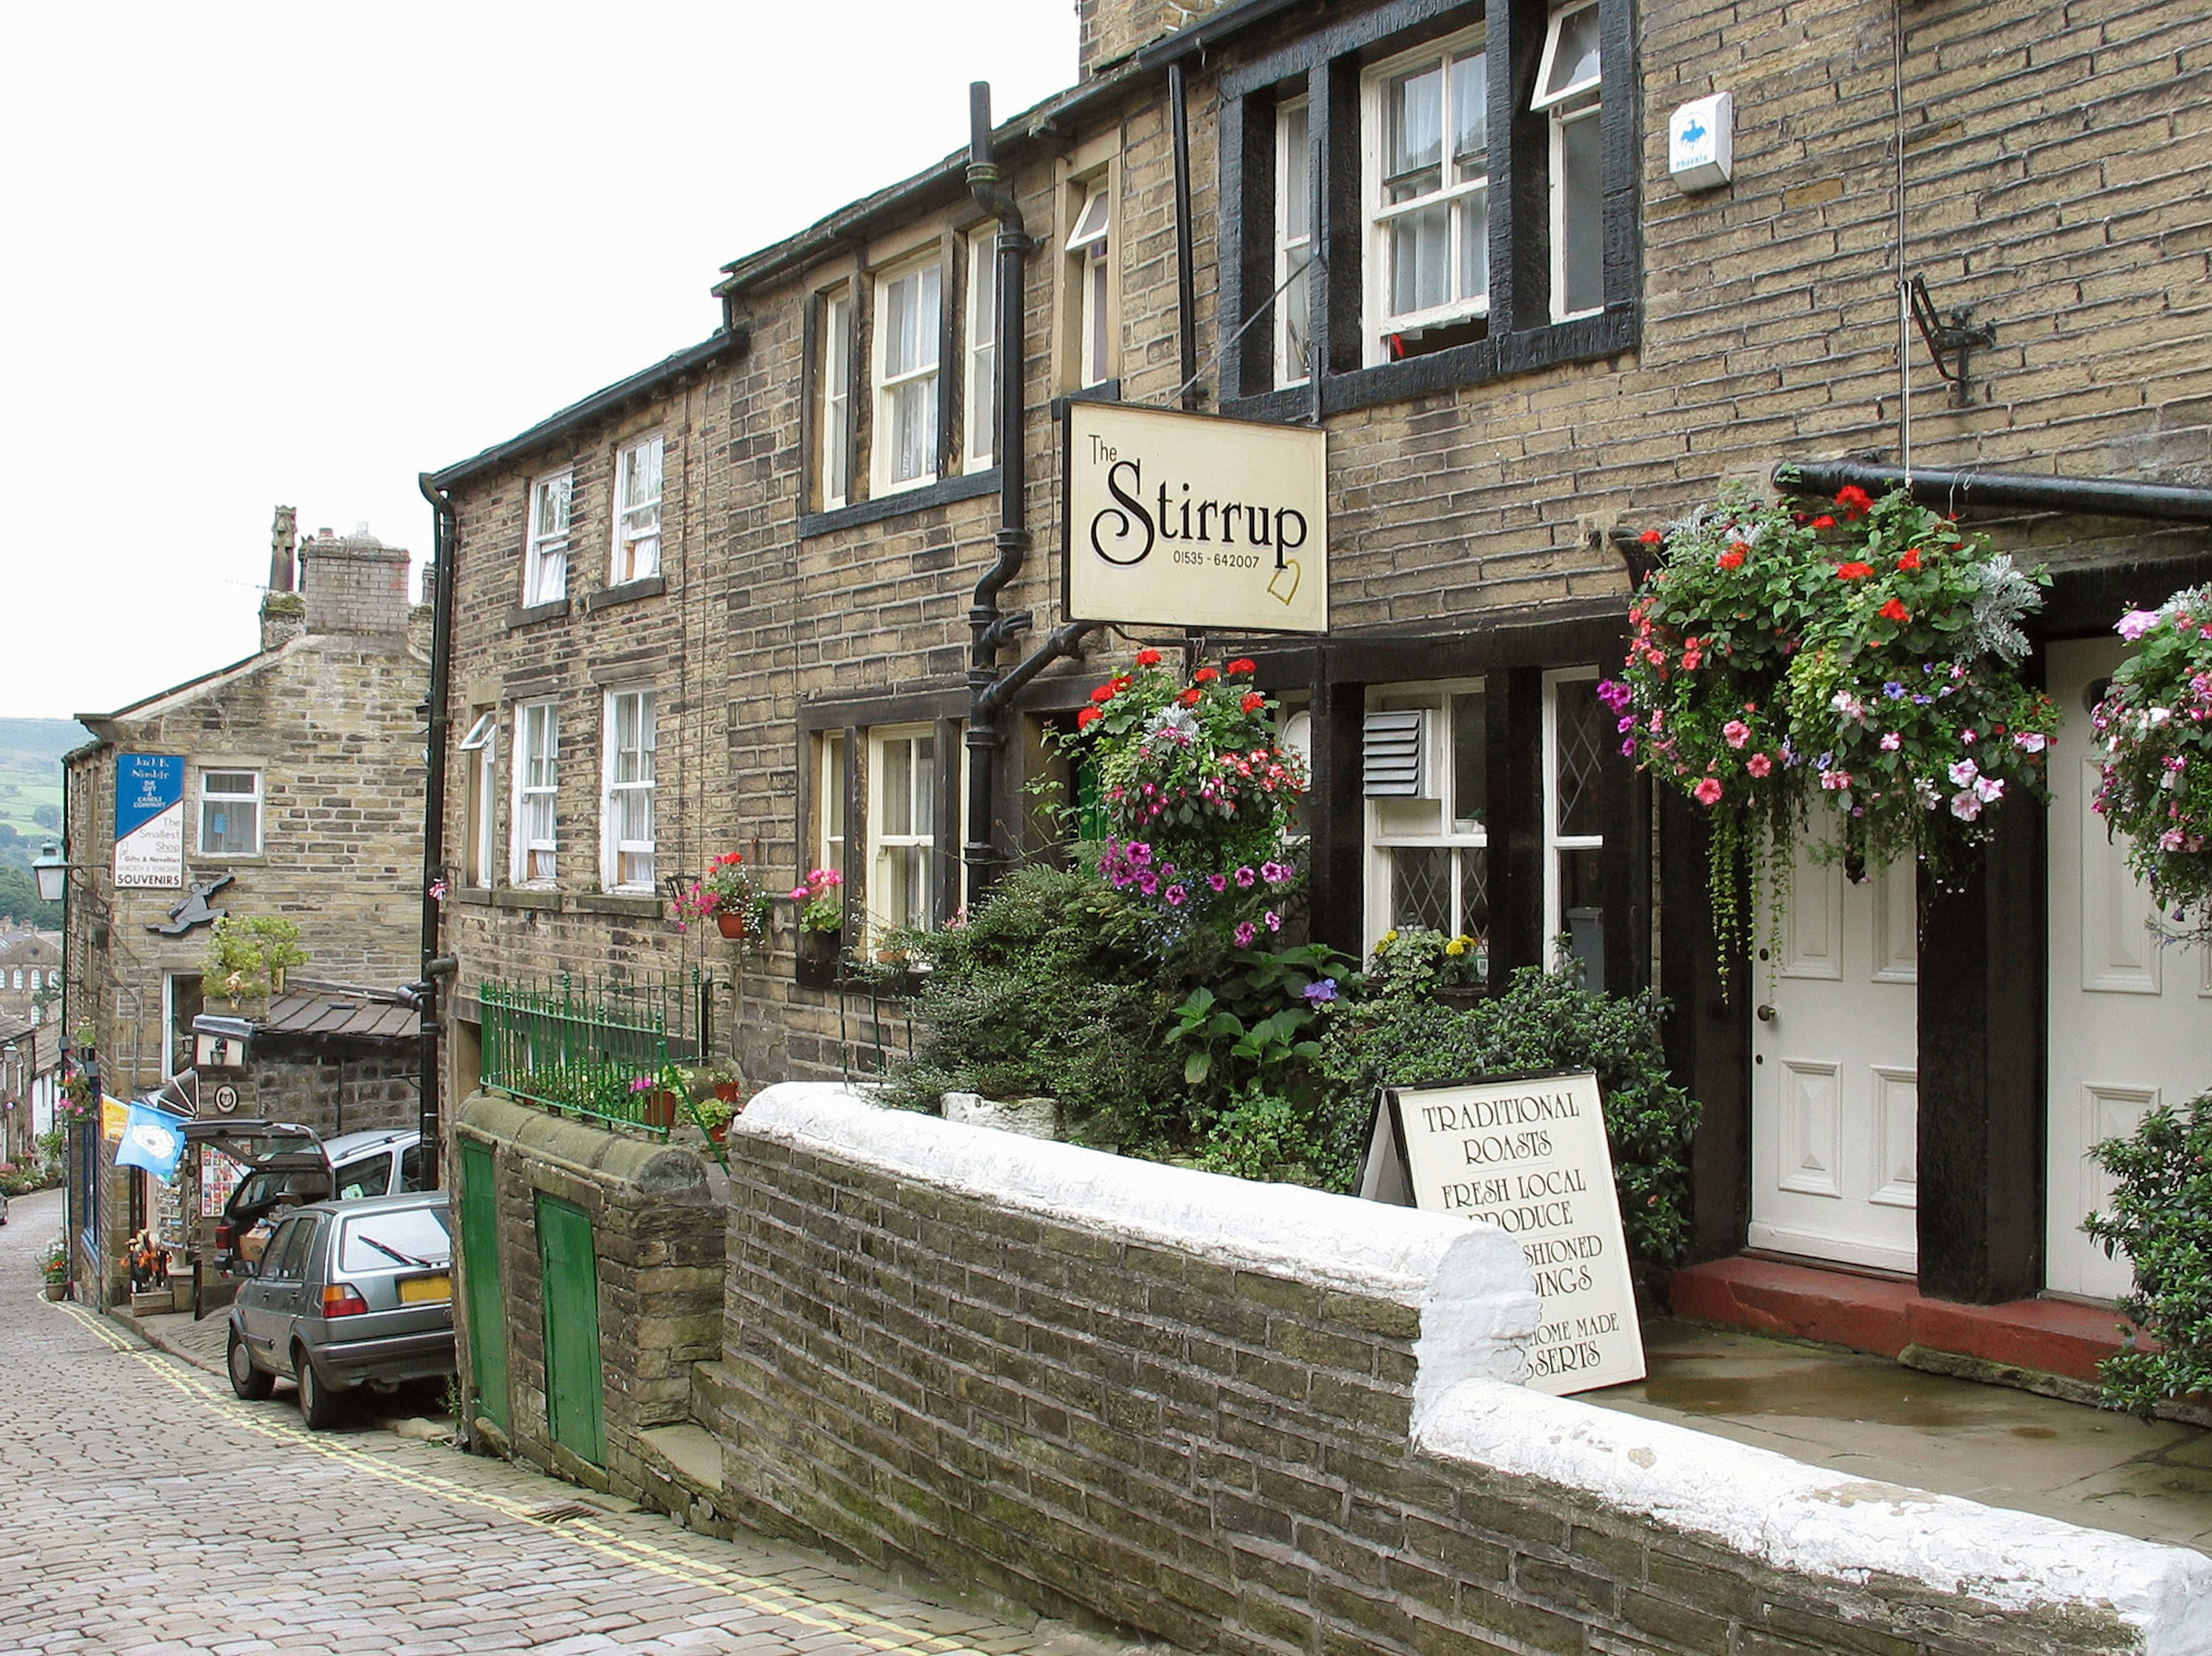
(1241,665)
(1824,521)
(1896,611)
(1855,501)
(1148,658)
(1651,537)
(1192,697)
(1103,694)
(1853,571)
(1203,676)
(1731,559)
(1086,718)
(1253,702)
(1911,560)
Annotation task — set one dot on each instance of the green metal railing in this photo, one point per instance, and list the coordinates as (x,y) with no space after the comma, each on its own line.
(594,1047)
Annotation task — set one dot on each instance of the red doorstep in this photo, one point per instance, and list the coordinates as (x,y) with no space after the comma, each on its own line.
(1881,1316)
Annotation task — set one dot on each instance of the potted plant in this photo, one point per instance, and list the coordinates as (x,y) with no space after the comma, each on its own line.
(56,1269)
(821,904)
(730,897)
(2156,723)
(656,1096)
(713,1115)
(247,958)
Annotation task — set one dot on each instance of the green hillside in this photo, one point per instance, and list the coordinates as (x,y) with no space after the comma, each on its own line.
(31,805)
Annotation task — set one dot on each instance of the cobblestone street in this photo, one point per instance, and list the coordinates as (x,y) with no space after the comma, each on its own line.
(147,1510)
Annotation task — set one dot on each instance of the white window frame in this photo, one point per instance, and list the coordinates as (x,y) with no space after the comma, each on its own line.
(620,859)
(635,553)
(1293,253)
(834,398)
(1437,694)
(1378,217)
(884,845)
(1090,250)
(981,449)
(1555,842)
(923,374)
(482,742)
(546,548)
(1567,106)
(535,862)
(829,818)
(228,799)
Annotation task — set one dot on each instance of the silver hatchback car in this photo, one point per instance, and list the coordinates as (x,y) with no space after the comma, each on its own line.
(347,1294)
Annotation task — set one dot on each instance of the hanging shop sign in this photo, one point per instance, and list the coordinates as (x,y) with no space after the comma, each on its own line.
(149,821)
(1527,1154)
(1195,522)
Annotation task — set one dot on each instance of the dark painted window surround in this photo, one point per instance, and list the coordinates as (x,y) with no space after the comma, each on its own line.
(1325,67)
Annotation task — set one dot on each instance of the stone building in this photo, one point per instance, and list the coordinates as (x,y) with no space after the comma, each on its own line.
(289,785)
(30,975)
(754,596)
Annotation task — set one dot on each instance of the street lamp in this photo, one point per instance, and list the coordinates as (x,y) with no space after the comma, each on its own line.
(53,871)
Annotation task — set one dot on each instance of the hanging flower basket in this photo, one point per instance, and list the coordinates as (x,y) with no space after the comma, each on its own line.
(730,897)
(2156,724)
(1867,659)
(1196,794)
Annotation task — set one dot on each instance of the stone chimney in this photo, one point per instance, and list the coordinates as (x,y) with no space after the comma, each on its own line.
(355,585)
(283,613)
(1109,30)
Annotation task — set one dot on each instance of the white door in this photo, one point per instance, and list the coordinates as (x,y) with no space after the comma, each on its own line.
(2131,1020)
(1834,1076)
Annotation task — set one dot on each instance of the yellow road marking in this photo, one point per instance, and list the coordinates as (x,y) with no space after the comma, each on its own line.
(749,1590)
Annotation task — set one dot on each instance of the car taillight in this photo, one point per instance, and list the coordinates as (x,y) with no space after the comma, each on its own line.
(226,1238)
(343,1300)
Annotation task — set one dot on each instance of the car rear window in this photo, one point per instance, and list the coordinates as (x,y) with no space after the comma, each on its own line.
(259,1190)
(369,1178)
(371,1241)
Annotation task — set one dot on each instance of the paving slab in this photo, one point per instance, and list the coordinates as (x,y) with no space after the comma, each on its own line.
(1833,1408)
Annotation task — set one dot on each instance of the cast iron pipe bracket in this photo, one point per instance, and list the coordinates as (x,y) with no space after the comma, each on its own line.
(1956,334)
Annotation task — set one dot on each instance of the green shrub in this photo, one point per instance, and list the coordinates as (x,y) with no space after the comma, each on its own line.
(1543,1021)
(2161,1214)
(1054,986)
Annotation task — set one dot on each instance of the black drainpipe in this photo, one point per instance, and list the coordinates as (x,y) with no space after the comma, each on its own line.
(1954,491)
(1186,278)
(990,629)
(444,555)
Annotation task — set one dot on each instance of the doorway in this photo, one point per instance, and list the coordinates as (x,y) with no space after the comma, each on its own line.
(2130,1019)
(574,1397)
(1834,1077)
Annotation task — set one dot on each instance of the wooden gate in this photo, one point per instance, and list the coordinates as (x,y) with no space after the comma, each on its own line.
(574,1398)
(486,1294)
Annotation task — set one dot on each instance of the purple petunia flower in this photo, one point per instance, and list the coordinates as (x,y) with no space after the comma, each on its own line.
(1246,933)
(1320,994)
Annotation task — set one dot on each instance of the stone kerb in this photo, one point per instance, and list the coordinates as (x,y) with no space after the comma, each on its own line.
(1258,1419)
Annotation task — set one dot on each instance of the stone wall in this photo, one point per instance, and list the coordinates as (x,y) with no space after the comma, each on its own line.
(657,1215)
(1257,1419)
(352,1093)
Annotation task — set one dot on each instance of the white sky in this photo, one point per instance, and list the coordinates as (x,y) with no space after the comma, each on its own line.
(261,254)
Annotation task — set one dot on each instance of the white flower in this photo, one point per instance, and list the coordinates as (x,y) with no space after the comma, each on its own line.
(1989,789)
(2031,741)
(1965,807)
(1963,773)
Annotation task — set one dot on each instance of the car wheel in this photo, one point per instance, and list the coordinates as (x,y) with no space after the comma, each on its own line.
(250,1383)
(319,1404)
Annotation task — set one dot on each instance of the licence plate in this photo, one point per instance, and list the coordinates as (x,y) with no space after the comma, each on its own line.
(414,1290)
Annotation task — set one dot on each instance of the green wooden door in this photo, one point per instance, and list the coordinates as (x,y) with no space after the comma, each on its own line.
(573,1396)
(487,1301)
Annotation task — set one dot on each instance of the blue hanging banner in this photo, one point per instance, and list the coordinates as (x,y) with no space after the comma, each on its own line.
(152,1139)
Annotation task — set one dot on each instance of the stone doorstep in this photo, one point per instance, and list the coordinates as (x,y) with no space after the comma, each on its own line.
(1886,1318)
(688,1455)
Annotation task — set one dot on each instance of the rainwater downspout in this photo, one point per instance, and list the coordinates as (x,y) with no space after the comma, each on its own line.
(443,557)
(1949,490)
(989,629)
(1186,278)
